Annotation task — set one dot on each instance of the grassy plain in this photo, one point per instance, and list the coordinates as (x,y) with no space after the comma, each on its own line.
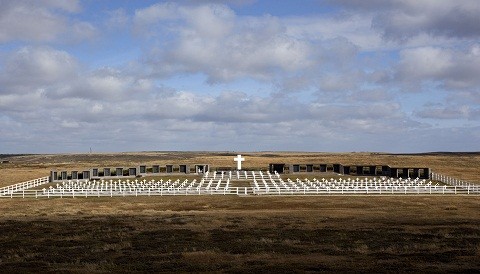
(240,234)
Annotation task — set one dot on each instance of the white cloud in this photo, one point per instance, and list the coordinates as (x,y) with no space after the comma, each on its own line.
(453,69)
(155,13)
(36,67)
(370,96)
(356,28)
(24,22)
(211,39)
(424,63)
(41,21)
(459,112)
(402,20)
(448,18)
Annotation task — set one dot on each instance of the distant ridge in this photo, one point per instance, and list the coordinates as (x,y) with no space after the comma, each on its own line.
(437,153)
(230,153)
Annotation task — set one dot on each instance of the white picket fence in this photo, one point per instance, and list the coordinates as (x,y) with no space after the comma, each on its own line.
(418,190)
(9,190)
(77,193)
(240,191)
(450,180)
(263,184)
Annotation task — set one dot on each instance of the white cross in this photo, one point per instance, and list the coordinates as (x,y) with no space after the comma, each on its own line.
(239,161)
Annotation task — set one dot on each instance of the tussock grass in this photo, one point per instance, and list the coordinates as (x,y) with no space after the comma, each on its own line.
(241,234)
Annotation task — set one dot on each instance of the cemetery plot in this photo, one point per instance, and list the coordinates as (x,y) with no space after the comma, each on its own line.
(234,183)
(138,188)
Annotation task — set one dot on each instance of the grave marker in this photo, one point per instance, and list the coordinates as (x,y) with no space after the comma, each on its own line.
(239,159)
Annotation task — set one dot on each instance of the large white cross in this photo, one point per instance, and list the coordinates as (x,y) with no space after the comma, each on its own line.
(239,161)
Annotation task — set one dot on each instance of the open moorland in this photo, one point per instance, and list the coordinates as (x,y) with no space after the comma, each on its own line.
(240,234)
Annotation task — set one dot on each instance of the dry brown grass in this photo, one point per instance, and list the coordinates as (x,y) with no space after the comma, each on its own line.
(240,234)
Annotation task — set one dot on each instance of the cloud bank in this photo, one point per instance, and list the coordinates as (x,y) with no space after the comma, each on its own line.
(399,76)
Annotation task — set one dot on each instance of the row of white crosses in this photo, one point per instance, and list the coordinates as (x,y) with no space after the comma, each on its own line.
(269,181)
(222,174)
(136,186)
(275,182)
(122,186)
(278,185)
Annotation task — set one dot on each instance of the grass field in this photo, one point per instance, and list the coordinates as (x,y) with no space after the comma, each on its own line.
(240,234)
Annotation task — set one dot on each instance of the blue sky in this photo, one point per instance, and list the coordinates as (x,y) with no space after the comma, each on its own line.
(240,75)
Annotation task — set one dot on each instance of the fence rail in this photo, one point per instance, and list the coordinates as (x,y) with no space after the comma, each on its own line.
(450,180)
(23,186)
(78,193)
(168,188)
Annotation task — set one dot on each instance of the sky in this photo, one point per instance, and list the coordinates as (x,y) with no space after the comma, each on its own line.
(399,76)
